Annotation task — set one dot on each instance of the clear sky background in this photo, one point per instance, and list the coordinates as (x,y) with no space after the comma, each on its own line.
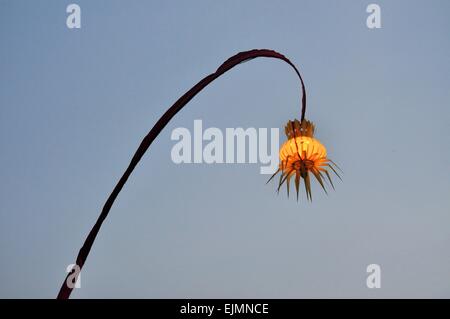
(75,104)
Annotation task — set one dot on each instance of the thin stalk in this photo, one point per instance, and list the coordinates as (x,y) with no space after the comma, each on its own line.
(65,290)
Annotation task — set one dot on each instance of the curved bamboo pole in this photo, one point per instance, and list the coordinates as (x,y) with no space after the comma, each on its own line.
(65,290)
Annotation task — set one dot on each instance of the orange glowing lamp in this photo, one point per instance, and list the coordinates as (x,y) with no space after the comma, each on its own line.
(302,155)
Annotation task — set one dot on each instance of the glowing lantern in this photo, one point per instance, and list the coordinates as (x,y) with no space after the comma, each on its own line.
(302,155)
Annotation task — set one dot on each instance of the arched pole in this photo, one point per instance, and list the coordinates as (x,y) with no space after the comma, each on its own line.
(65,290)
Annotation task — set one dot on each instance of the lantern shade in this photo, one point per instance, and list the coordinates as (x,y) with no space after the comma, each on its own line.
(302,155)
(306,147)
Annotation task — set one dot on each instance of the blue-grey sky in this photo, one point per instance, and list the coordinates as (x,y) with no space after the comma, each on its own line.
(75,104)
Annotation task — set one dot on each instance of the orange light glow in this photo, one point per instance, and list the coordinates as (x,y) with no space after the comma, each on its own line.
(302,155)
